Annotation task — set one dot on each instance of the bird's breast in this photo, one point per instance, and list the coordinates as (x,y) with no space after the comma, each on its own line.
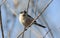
(21,19)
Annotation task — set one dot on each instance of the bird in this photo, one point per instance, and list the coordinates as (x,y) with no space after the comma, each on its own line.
(26,20)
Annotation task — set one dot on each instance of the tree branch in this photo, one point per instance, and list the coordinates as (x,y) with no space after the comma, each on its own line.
(28,6)
(3,1)
(1,24)
(37,16)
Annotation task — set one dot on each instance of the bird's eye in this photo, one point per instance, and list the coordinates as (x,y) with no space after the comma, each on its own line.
(25,12)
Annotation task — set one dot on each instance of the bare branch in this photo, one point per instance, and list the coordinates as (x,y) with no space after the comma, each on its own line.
(3,2)
(46,34)
(28,6)
(46,22)
(37,16)
(1,24)
(12,11)
(36,7)
(20,34)
(36,33)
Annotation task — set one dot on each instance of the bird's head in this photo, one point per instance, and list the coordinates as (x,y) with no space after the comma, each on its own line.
(23,13)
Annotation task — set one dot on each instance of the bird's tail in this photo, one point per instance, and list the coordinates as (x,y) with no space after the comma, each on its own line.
(40,25)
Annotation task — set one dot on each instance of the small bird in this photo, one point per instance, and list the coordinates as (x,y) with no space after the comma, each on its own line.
(26,19)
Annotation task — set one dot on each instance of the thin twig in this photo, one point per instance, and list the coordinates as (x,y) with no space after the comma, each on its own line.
(30,33)
(46,34)
(47,24)
(48,29)
(1,18)
(12,11)
(28,6)
(36,33)
(1,24)
(3,1)
(38,16)
(21,34)
(36,7)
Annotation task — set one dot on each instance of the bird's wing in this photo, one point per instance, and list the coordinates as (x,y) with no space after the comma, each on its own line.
(31,17)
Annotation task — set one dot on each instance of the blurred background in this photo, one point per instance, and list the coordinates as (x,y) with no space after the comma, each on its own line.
(50,17)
